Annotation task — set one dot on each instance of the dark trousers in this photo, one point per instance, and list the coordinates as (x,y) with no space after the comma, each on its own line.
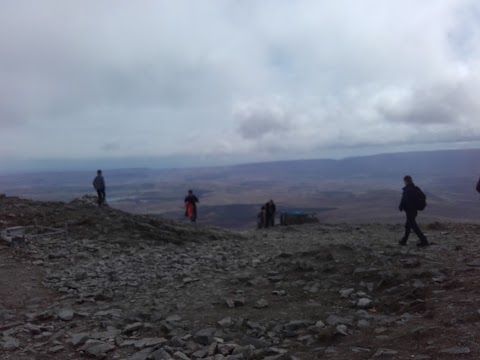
(271,220)
(101,196)
(411,224)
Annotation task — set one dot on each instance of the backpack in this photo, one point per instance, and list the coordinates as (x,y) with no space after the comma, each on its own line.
(420,199)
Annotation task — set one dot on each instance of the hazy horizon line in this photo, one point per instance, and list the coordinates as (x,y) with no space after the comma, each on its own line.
(148,163)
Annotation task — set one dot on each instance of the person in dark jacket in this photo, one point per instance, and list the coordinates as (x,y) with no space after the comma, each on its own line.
(191,206)
(270,210)
(409,205)
(99,185)
(261,218)
(478,185)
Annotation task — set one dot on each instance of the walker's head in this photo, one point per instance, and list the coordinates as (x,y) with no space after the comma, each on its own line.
(408,180)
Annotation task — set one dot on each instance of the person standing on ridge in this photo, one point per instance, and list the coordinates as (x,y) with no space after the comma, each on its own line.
(261,218)
(413,199)
(270,210)
(191,206)
(99,185)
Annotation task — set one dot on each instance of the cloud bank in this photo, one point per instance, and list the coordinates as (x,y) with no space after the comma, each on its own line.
(224,78)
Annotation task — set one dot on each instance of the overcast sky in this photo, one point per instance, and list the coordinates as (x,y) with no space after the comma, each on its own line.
(232,81)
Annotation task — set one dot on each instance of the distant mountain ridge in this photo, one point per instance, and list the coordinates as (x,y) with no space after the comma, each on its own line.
(385,166)
(421,165)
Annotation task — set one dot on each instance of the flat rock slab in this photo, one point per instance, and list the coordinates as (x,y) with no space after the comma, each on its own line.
(384,353)
(97,348)
(10,343)
(141,355)
(336,320)
(160,354)
(456,350)
(133,327)
(79,339)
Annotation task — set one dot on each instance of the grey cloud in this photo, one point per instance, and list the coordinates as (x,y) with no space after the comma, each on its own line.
(447,103)
(111,146)
(256,121)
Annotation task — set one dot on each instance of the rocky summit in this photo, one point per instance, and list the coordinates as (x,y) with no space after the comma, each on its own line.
(114,285)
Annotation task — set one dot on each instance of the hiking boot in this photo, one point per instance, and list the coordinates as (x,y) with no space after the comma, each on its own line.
(402,242)
(422,243)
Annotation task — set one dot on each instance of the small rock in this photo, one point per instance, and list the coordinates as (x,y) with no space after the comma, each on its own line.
(141,355)
(79,339)
(133,327)
(364,303)
(173,318)
(10,343)
(56,349)
(180,356)
(246,351)
(261,304)
(295,325)
(205,336)
(257,343)
(66,314)
(111,333)
(319,324)
(240,301)
(360,350)
(200,354)
(335,320)
(97,348)
(189,280)
(456,350)
(344,294)
(225,322)
(149,342)
(34,329)
(176,342)
(342,329)
(160,354)
(384,352)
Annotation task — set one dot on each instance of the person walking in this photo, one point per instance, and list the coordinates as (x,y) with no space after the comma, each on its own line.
(413,199)
(191,206)
(99,185)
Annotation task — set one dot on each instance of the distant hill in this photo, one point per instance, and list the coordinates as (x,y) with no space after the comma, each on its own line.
(359,189)
(428,164)
(422,165)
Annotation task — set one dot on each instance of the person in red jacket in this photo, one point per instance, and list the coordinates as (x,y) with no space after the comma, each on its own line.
(191,206)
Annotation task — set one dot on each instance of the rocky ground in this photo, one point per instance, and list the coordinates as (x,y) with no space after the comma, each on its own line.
(121,286)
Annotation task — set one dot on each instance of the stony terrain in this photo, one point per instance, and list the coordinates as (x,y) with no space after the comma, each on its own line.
(124,286)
